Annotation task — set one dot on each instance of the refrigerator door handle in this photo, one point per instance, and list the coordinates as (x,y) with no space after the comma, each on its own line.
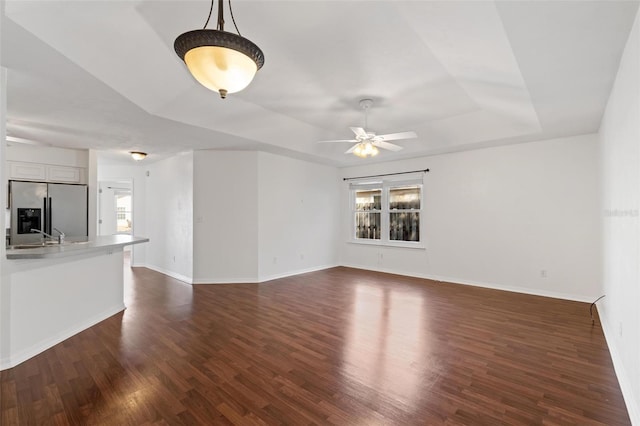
(43,225)
(49,230)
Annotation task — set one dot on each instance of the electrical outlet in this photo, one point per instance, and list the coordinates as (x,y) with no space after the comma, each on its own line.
(275,260)
(543,273)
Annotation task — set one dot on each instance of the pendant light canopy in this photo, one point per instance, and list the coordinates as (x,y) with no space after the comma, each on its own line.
(221,61)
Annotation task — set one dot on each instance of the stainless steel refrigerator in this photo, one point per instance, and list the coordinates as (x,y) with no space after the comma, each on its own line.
(45,206)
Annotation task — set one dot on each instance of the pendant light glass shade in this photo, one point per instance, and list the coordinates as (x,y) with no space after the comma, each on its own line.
(219,60)
(218,68)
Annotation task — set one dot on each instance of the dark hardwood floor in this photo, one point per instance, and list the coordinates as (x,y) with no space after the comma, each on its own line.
(340,346)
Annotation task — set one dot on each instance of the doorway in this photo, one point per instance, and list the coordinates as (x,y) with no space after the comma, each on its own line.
(115,209)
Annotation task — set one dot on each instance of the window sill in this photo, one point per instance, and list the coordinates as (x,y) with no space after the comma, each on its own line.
(400,244)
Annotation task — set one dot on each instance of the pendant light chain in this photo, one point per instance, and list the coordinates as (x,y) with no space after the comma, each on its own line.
(220,24)
(233,19)
(220,15)
(209,17)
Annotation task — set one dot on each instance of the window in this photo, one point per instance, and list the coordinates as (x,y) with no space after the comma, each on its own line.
(368,210)
(387,212)
(404,213)
(123,212)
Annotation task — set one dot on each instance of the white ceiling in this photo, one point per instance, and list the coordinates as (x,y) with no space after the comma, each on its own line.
(463,75)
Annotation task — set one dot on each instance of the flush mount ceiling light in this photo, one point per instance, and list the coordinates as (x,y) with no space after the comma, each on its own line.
(221,61)
(137,155)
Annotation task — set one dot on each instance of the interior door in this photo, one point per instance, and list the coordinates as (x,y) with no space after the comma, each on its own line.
(107,224)
(68,209)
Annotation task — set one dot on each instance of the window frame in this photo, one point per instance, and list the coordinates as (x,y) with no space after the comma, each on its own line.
(385,185)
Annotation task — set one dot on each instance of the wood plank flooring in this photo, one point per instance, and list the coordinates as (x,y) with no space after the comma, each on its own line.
(341,346)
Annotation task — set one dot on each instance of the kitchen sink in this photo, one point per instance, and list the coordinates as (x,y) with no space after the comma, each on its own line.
(46,244)
(27,246)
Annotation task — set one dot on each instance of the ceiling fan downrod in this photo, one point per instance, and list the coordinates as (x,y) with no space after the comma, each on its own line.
(365,104)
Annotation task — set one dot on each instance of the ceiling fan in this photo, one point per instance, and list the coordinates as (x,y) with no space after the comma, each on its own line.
(367,143)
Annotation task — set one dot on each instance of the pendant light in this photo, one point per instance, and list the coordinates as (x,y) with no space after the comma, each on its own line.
(221,61)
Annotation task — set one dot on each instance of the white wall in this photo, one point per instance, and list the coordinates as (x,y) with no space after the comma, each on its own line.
(620,152)
(299,216)
(225,238)
(169,216)
(135,173)
(5,285)
(497,217)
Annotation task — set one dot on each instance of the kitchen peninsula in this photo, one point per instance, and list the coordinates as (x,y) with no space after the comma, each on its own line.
(58,290)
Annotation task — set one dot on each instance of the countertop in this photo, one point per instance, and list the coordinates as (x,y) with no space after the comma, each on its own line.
(74,247)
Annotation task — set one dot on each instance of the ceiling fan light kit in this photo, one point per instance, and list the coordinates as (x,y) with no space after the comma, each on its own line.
(365,149)
(219,60)
(367,143)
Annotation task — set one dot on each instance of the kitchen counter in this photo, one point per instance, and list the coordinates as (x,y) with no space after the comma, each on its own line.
(56,291)
(73,247)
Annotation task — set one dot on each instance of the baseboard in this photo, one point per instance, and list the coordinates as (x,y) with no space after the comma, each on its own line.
(625,385)
(251,280)
(261,279)
(22,356)
(172,274)
(493,286)
(265,278)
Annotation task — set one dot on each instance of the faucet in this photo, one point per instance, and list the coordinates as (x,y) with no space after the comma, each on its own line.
(60,236)
(44,234)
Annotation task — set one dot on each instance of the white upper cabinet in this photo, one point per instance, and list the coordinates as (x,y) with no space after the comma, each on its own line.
(64,174)
(27,171)
(46,173)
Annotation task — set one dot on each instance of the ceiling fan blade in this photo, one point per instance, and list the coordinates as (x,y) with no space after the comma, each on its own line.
(387,145)
(359,131)
(396,136)
(340,140)
(350,150)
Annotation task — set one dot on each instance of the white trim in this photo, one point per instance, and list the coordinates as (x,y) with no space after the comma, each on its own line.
(219,280)
(262,278)
(38,348)
(172,274)
(266,278)
(623,378)
(493,286)
(379,243)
